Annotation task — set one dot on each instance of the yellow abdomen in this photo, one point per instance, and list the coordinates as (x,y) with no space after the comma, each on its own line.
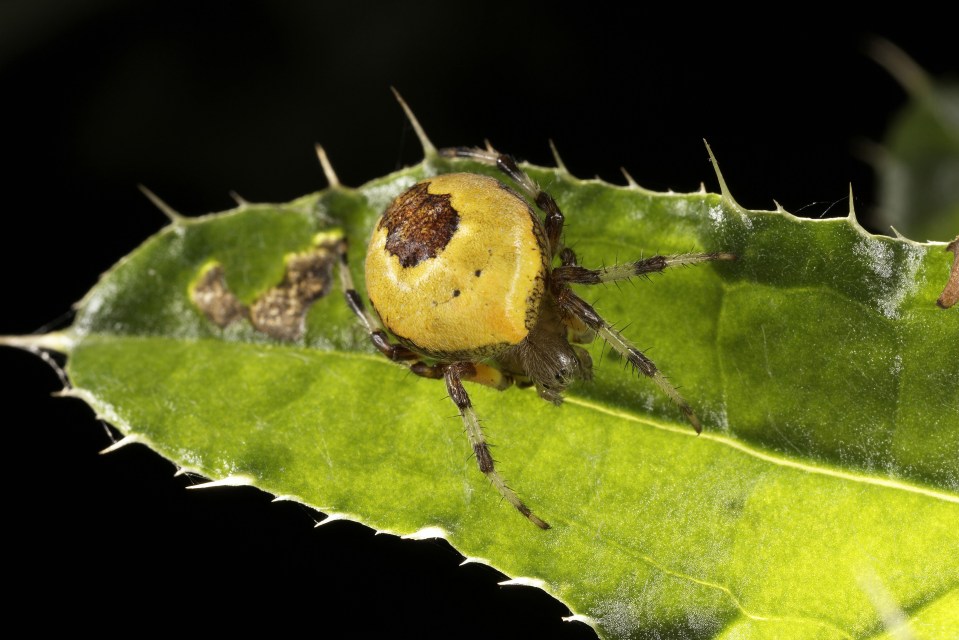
(456,266)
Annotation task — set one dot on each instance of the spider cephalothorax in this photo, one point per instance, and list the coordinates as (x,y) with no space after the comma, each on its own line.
(460,270)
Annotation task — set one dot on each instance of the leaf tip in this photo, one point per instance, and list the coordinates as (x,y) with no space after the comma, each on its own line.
(185,471)
(723,189)
(560,165)
(166,209)
(58,341)
(427,533)
(428,149)
(536,583)
(851,216)
(238,199)
(122,442)
(237,480)
(331,177)
(578,617)
(898,235)
(330,517)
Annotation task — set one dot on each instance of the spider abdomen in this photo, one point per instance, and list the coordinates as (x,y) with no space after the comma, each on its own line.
(456,267)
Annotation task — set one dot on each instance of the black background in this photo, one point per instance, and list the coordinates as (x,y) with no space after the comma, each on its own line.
(195,99)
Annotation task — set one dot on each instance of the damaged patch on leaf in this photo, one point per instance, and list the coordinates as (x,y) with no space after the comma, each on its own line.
(213,297)
(280,312)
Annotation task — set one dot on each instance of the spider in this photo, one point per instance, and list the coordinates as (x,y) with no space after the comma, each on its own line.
(460,271)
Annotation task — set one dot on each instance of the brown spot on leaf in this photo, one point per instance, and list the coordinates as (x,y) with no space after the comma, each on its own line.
(950,294)
(213,297)
(280,311)
(419,224)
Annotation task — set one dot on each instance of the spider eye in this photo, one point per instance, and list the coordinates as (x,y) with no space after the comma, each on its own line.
(567,367)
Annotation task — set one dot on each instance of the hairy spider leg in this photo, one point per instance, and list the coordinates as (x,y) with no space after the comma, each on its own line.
(579,310)
(572,273)
(572,304)
(454,374)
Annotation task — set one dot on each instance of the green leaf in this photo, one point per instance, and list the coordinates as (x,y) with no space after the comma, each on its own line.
(822,499)
(918,162)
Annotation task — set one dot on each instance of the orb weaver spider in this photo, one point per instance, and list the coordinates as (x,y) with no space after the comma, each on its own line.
(460,271)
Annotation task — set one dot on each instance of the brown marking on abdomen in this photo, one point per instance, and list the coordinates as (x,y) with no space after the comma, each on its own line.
(419,224)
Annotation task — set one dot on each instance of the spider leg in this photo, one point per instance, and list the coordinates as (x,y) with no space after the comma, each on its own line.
(572,304)
(507,164)
(571,273)
(393,351)
(453,375)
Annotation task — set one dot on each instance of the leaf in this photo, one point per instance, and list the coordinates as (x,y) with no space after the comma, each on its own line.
(821,501)
(918,163)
